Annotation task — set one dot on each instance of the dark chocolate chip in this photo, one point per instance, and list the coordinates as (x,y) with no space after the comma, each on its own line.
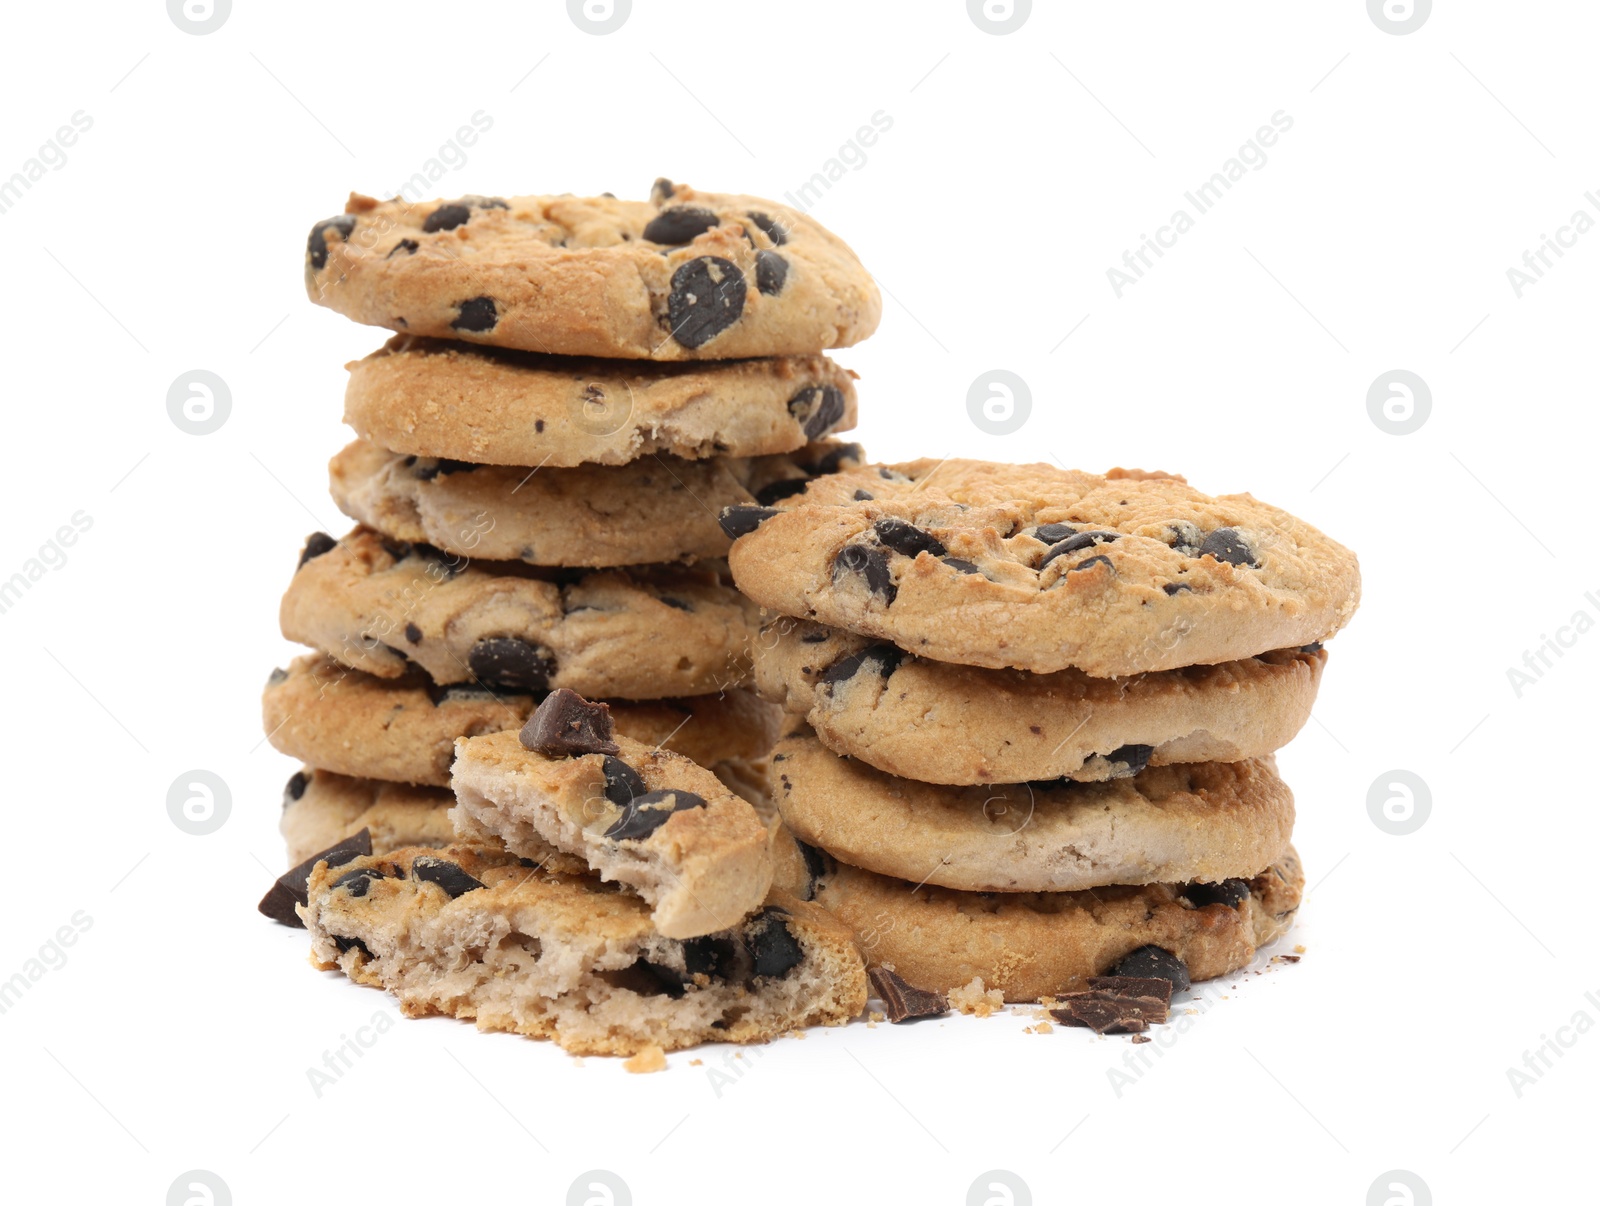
(1173,588)
(413,633)
(290,888)
(511,664)
(742,520)
(446,217)
(1076,543)
(960,566)
(1085,564)
(1137,757)
(903,1003)
(1230,892)
(1117,1004)
(680,604)
(870,564)
(1156,962)
(359,880)
(1225,544)
(409,246)
(771,272)
(707,298)
(773,230)
(475,314)
(907,539)
(661,190)
(773,491)
(317,544)
(1314,647)
(816,867)
(883,657)
(813,637)
(427,470)
(346,945)
(817,408)
(295,787)
(317,243)
(278,677)
(646,813)
(844,456)
(710,956)
(1054,533)
(861,496)
(623,783)
(680,224)
(566,724)
(449,876)
(775,950)
(650,979)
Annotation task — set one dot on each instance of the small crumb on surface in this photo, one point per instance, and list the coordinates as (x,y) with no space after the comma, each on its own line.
(1141,1038)
(974,999)
(695,1063)
(1299,950)
(650,1059)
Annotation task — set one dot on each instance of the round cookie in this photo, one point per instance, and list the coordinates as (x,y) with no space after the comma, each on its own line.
(405,729)
(383,607)
(688,275)
(437,397)
(1037,945)
(1042,569)
(944,723)
(649,511)
(472,932)
(1192,821)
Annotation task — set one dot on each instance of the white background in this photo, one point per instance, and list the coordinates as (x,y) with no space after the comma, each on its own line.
(1419,168)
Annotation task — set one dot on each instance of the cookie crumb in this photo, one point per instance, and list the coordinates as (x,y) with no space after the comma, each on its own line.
(972,998)
(1286,958)
(1299,950)
(875,1016)
(695,1063)
(1141,1038)
(648,1059)
(1041,1028)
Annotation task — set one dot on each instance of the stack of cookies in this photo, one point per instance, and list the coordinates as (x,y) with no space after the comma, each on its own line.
(1032,715)
(577,389)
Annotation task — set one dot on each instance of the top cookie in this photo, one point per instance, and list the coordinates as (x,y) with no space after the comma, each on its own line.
(1041,569)
(685,276)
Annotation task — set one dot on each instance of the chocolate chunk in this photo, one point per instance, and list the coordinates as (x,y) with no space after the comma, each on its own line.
(883,657)
(409,246)
(677,604)
(359,880)
(1154,961)
(816,866)
(843,457)
(773,230)
(817,408)
(740,521)
(317,243)
(413,633)
(317,544)
(1076,543)
(290,887)
(861,496)
(651,979)
(1137,757)
(679,225)
(446,217)
(1314,647)
(646,813)
(1225,544)
(1135,986)
(903,1003)
(623,783)
(661,191)
(907,539)
(350,944)
(775,950)
(872,565)
(1230,892)
(773,491)
(278,677)
(295,787)
(707,298)
(1091,562)
(710,956)
(449,876)
(431,468)
(1116,1004)
(511,664)
(475,314)
(1054,533)
(960,566)
(566,724)
(771,271)
(1173,588)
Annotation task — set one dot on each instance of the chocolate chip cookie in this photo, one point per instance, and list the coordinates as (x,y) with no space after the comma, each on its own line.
(471,932)
(321,808)
(687,275)
(1042,569)
(441,398)
(945,723)
(1190,821)
(643,817)
(1039,944)
(650,511)
(405,729)
(385,607)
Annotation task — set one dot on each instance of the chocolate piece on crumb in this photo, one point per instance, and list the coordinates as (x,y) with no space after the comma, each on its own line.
(290,887)
(740,521)
(566,724)
(1116,1004)
(902,1002)
(1156,961)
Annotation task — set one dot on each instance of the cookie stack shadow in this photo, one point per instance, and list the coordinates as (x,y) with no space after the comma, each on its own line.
(575,390)
(1032,713)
